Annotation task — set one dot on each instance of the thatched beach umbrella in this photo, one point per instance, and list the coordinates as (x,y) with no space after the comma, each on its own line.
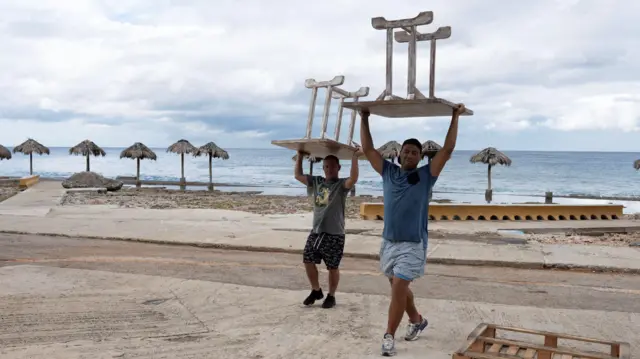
(138,151)
(5,154)
(29,147)
(490,157)
(182,147)
(390,150)
(311,160)
(87,148)
(429,150)
(213,151)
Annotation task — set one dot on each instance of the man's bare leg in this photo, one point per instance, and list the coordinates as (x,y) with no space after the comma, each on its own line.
(316,292)
(411,310)
(334,278)
(399,297)
(312,274)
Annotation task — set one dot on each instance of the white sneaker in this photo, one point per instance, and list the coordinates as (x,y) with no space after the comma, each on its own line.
(388,345)
(413,329)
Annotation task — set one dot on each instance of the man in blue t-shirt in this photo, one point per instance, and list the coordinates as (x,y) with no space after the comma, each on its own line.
(403,251)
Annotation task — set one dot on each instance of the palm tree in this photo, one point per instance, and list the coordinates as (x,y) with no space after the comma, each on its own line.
(182,147)
(490,157)
(213,151)
(138,151)
(311,160)
(87,148)
(29,147)
(5,154)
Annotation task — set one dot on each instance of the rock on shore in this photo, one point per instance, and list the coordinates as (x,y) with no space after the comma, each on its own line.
(91,180)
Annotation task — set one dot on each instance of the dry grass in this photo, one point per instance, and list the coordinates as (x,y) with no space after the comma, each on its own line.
(238,201)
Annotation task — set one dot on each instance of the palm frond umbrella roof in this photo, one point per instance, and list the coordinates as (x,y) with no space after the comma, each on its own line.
(31,146)
(5,154)
(213,150)
(86,148)
(430,148)
(390,150)
(491,156)
(181,147)
(138,151)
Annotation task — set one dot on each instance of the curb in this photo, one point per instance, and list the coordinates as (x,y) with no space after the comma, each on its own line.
(431,260)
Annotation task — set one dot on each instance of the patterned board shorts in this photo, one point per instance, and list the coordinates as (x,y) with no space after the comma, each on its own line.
(324,246)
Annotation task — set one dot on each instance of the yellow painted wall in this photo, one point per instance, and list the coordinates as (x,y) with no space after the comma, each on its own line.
(531,212)
(26,182)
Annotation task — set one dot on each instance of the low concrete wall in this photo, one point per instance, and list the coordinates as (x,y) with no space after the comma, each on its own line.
(26,182)
(515,212)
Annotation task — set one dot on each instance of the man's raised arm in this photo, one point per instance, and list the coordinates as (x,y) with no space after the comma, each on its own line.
(299,175)
(353,176)
(374,157)
(441,158)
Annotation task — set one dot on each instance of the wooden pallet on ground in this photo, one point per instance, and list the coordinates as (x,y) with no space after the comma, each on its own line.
(484,343)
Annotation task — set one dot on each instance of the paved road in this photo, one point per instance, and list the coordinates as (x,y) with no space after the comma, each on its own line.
(541,288)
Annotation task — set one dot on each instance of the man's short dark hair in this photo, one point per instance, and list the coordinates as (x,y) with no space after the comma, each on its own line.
(332,157)
(414,142)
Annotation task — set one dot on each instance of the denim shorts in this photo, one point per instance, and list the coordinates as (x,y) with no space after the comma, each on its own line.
(405,260)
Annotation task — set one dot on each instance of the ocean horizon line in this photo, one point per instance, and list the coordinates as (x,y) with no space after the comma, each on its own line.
(277,148)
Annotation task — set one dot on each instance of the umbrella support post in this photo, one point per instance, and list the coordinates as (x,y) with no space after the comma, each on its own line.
(548,198)
(488,195)
(352,193)
(210,187)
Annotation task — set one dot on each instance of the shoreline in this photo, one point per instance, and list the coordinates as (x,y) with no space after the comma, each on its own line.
(202,186)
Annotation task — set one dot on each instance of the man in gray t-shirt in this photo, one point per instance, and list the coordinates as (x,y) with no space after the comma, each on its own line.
(326,240)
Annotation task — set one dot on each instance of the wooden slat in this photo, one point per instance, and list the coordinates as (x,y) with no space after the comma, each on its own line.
(317,147)
(558,335)
(529,353)
(495,348)
(625,351)
(545,348)
(566,356)
(513,350)
(490,356)
(430,107)
(478,331)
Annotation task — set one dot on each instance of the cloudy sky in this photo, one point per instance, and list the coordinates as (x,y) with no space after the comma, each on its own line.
(540,75)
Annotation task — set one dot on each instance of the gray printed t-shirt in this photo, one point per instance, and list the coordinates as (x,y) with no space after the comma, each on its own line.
(329,200)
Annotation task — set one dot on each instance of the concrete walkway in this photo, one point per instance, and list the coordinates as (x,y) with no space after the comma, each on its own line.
(75,313)
(35,211)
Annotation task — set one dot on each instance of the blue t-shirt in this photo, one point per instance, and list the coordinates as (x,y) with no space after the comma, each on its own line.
(406,205)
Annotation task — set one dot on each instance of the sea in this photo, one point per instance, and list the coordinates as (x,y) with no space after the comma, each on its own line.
(573,177)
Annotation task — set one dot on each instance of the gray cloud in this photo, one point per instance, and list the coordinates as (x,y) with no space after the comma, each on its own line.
(235,70)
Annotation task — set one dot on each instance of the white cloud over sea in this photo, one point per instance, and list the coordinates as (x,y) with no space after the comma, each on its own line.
(546,74)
